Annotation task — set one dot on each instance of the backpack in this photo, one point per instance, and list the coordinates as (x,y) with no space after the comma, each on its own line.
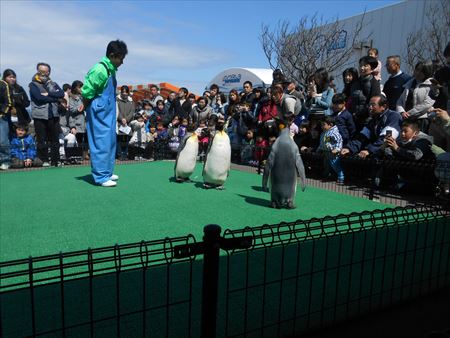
(298,103)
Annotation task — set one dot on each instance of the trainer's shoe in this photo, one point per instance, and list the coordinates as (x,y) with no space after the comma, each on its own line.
(114,177)
(109,184)
(4,166)
(46,164)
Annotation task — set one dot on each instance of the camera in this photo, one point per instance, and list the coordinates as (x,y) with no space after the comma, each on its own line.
(388,133)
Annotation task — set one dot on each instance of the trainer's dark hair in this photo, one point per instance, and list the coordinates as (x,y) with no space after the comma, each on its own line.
(117,47)
(7,73)
(125,89)
(75,85)
(425,67)
(321,79)
(44,64)
(369,60)
(338,98)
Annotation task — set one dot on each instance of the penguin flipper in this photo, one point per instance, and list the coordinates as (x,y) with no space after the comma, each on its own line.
(300,170)
(180,149)
(268,169)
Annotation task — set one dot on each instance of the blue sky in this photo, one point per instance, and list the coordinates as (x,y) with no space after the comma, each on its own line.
(185,43)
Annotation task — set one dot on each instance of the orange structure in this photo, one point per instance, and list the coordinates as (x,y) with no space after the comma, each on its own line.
(141,92)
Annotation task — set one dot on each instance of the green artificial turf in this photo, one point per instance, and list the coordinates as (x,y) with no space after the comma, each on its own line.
(46,211)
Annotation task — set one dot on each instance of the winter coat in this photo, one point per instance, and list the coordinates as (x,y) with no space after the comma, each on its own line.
(23,148)
(125,109)
(44,107)
(199,114)
(361,93)
(372,135)
(76,118)
(419,148)
(421,101)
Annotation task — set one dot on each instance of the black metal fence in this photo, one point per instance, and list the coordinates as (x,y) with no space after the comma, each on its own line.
(281,280)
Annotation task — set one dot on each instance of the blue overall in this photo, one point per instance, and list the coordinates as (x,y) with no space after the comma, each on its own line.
(101,131)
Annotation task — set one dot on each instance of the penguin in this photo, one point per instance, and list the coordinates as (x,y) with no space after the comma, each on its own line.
(186,158)
(282,167)
(218,158)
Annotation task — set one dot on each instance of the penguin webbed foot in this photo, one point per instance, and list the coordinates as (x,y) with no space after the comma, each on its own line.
(274,205)
(290,205)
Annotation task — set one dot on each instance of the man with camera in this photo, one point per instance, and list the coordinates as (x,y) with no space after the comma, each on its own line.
(384,122)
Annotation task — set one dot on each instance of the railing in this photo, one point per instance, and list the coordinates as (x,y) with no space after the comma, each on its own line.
(272,280)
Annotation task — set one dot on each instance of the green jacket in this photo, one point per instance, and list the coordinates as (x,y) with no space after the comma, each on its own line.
(97,78)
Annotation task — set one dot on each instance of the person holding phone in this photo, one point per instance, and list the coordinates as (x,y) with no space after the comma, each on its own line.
(372,137)
(412,144)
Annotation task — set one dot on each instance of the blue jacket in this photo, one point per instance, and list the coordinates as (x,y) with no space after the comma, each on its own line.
(23,148)
(372,136)
(346,125)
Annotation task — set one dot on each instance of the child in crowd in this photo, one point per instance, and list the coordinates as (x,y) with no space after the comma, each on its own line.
(138,141)
(331,146)
(174,138)
(152,135)
(247,148)
(23,149)
(203,139)
(73,152)
(183,128)
(304,139)
(412,145)
(373,52)
(344,119)
(261,149)
(160,141)
(123,134)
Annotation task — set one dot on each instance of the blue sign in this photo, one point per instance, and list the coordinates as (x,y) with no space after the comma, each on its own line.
(339,42)
(232,78)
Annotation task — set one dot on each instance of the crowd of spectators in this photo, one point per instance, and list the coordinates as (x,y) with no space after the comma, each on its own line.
(406,117)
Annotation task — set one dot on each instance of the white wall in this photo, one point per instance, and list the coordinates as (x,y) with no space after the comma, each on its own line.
(390,27)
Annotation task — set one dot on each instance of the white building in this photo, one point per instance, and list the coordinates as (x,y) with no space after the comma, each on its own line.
(234,78)
(386,29)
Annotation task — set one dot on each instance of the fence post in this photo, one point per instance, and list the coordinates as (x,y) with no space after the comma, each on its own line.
(211,240)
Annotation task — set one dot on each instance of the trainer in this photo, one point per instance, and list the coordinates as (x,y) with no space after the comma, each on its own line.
(99,99)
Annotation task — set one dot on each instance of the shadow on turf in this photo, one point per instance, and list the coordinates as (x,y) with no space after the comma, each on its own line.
(255,200)
(87,178)
(257,188)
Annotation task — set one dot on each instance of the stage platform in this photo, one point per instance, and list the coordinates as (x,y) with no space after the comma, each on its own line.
(46,211)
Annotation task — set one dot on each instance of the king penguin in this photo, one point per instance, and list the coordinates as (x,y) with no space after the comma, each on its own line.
(186,158)
(282,168)
(218,159)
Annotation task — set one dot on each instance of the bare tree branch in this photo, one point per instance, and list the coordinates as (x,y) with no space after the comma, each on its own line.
(429,43)
(312,43)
